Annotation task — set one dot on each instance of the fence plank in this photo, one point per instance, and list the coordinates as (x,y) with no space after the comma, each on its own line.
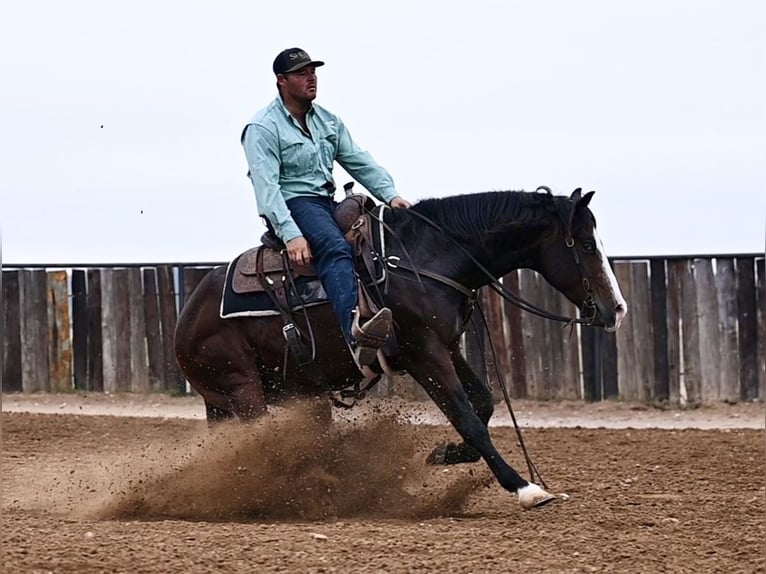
(59,332)
(121,304)
(11,333)
(95,333)
(192,278)
(153,333)
(690,336)
(33,301)
(109,330)
(139,366)
(532,328)
(627,377)
(590,342)
(748,329)
(172,379)
(761,300)
(727,325)
(571,385)
(659,301)
(609,368)
(79,329)
(709,334)
(496,361)
(515,342)
(642,329)
(675,273)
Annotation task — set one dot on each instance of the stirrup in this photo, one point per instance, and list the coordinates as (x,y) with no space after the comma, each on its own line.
(375,331)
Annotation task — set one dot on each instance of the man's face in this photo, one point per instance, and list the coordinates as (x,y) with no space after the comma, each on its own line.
(300,85)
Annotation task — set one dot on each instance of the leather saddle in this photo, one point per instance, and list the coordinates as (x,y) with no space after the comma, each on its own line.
(268,262)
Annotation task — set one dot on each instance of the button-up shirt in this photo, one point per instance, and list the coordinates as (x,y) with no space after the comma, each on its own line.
(285,161)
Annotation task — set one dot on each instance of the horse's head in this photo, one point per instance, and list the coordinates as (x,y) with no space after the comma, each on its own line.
(576,265)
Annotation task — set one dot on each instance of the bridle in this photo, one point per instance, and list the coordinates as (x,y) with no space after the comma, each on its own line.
(395,262)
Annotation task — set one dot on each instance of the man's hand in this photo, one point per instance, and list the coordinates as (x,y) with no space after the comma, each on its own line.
(400,202)
(299,251)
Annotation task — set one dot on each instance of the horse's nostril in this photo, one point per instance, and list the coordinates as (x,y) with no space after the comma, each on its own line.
(619,309)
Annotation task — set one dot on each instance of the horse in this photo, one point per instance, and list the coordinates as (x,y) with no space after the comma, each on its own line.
(439,253)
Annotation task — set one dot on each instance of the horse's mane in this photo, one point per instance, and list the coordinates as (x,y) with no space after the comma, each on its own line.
(477,214)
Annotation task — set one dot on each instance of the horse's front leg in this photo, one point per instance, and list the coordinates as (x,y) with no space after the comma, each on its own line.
(480,395)
(435,372)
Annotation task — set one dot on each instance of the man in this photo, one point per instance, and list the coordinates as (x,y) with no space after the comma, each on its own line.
(290,147)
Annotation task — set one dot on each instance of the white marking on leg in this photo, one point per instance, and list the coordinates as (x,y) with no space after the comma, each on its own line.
(606,270)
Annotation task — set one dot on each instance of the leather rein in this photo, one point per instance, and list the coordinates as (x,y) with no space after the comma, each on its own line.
(395,262)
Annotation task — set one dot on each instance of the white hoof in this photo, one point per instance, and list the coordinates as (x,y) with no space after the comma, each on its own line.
(532,496)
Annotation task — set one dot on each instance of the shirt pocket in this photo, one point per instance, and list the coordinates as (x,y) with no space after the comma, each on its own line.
(298,159)
(328,146)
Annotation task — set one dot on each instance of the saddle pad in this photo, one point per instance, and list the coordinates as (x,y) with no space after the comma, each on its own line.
(259,304)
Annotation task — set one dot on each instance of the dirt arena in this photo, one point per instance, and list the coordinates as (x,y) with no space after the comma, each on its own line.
(103,493)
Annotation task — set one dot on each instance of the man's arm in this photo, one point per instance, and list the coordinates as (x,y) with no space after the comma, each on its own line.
(263,160)
(362,167)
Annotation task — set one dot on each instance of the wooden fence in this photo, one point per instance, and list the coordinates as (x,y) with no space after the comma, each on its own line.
(695,332)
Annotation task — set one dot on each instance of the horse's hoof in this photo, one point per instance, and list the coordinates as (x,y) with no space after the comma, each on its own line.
(437,456)
(532,496)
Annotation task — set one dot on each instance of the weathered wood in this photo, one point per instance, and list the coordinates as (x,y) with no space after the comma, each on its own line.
(532,328)
(642,329)
(727,325)
(172,379)
(569,377)
(690,336)
(609,371)
(11,333)
(122,318)
(760,284)
(659,294)
(59,332)
(139,365)
(589,343)
(109,330)
(33,302)
(512,314)
(496,363)
(95,333)
(79,329)
(154,349)
(747,317)
(192,278)
(627,377)
(709,334)
(675,272)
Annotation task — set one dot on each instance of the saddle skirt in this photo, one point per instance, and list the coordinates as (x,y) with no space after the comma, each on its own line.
(262,280)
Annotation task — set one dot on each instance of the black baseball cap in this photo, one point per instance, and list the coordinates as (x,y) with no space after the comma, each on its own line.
(292,60)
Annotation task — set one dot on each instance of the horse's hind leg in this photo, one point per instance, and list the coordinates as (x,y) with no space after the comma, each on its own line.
(216,414)
(480,396)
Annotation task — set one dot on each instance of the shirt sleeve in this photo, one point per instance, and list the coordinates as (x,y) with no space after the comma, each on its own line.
(262,152)
(362,167)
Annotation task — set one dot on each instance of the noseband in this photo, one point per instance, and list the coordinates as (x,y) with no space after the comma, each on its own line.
(588,309)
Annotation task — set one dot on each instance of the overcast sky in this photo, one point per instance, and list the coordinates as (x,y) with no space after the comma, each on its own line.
(120,121)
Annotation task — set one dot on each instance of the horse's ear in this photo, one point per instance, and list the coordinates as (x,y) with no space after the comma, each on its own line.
(576,194)
(585,200)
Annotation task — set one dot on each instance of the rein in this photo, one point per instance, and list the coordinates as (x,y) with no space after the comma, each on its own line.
(498,287)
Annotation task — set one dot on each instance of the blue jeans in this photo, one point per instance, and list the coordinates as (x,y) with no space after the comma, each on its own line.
(333,256)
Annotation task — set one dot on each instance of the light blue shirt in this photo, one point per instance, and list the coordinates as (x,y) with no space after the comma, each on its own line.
(286,162)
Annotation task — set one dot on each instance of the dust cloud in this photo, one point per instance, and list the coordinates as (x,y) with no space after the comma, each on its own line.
(289,466)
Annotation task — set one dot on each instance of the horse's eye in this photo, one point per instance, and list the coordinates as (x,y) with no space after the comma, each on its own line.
(589,246)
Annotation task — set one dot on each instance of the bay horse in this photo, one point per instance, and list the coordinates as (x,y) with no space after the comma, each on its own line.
(457,245)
